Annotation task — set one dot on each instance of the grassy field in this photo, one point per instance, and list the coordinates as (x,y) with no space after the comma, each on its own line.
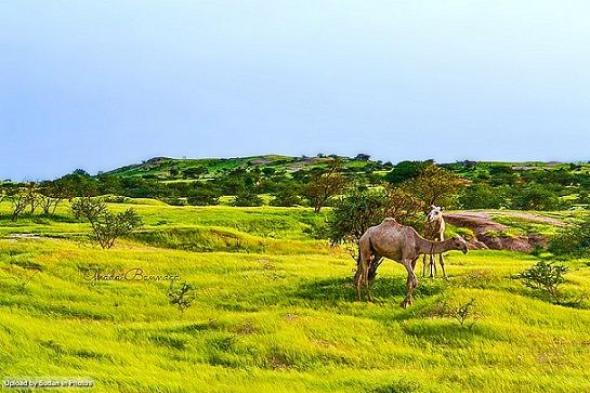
(274,310)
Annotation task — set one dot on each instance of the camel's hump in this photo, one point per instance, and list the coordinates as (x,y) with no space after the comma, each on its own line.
(389,220)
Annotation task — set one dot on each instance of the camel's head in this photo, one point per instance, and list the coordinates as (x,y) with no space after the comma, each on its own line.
(460,244)
(435,213)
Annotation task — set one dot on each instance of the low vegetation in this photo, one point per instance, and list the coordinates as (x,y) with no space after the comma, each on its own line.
(546,277)
(573,240)
(251,297)
(107,227)
(274,311)
(317,181)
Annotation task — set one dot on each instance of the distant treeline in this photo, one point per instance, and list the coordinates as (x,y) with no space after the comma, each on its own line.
(476,185)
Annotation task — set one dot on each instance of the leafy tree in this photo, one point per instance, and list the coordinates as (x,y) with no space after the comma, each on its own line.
(482,196)
(194,173)
(109,184)
(362,157)
(584,197)
(78,183)
(247,199)
(107,227)
(325,184)
(51,193)
(268,171)
(204,195)
(436,185)
(20,202)
(502,175)
(181,297)
(355,213)
(535,197)
(288,195)
(573,240)
(361,208)
(406,170)
(561,176)
(545,276)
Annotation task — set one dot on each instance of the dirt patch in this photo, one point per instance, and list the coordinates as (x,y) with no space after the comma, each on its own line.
(261,161)
(534,218)
(23,236)
(489,234)
(480,223)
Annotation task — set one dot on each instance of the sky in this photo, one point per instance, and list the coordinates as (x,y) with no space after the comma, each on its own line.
(101,84)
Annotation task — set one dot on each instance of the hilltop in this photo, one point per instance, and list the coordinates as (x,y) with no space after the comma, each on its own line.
(166,168)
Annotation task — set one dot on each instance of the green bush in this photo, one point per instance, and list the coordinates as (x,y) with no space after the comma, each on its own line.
(572,241)
(482,196)
(107,226)
(247,199)
(355,213)
(535,197)
(203,197)
(287,196)
(546,277)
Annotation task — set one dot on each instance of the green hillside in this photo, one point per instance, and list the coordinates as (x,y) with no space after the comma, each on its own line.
(164,168)
(273,310)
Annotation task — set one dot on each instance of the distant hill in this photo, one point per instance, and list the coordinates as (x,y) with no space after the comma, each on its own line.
(186,169)
(171,169)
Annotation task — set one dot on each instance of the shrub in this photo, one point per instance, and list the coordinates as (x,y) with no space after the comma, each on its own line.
(181,297)
(546,277)
(19,204)
(461,313)
(204,196)
(406,170)
(482,196)
(324,184)
(287,196)
(107,227)
(116,199)
(535,197)
(355,213)
(436,185)
(572,241)
(360,209)
(247,199)
(175,201)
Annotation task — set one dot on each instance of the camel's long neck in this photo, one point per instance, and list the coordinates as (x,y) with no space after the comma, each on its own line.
(439,225)
(428,246)
(435,230)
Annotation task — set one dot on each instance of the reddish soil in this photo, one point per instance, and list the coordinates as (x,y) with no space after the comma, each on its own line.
(488,233)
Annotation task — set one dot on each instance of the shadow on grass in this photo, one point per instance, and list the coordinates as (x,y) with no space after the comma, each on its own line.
(576,299)
(335,290)
(451,333)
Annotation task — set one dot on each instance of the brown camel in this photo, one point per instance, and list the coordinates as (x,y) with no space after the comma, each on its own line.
(402,244)
(434,230)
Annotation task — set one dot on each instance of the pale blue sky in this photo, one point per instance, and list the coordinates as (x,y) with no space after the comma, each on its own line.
(99,84)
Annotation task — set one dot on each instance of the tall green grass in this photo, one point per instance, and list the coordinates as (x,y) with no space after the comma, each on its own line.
(276,313)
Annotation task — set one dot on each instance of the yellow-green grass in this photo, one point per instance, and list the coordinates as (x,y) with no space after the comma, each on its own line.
(279,319)
(267,222)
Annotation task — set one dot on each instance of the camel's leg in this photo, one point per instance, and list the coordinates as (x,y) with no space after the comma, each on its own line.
(432,266)
(375,262)
(367,287)
(414,263)
(411,283)
(441,260)
(359,277)
(424,265)
(362,273)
